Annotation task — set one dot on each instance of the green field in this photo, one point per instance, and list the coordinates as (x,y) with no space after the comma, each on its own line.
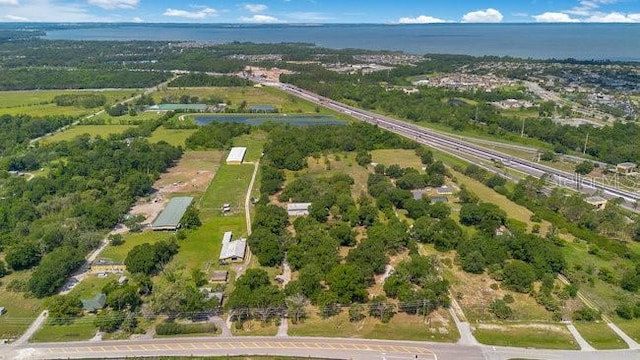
(21,310)
(599,335)
(230,186)
(401,327)
(93,130)
(106,119)
(630,327)
(254,143)
(175,137)
(403,158)
(538,337)
(40,102)
(119,253)
(80,329)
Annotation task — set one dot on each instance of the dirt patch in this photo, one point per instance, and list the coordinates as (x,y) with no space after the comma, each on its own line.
(191,175)
(546,327)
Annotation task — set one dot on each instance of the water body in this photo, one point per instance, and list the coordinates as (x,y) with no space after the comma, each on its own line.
(302,120)
(539,41)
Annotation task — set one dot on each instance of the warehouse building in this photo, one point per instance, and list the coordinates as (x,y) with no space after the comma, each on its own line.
(169,219)
(236,155)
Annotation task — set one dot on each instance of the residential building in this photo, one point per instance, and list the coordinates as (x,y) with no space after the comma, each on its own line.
(94,304)
(298,209)
(236,155)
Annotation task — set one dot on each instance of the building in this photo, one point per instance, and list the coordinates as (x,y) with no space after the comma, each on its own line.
(597,201)
(2,310)
(444,190)
(418,194)
(438,199)
(233,251)
(179,107)
(226,237)
(298,209)
(263,109)
(105,266)
(170,217)
(236,155)
(219,276)
(96,303)
(626,168)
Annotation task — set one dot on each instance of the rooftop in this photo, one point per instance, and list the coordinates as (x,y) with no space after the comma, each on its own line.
(94,304)
(219,276)
(174,107)
(298,206)
(627,165)
(236,154)
(234,249)
(169,218)
(226,238)
(262,108)
(595,199)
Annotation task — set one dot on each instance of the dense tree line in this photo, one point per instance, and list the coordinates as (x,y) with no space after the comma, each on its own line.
(200,79)
(34,78)
(216,135)
(17,130)
(80,100)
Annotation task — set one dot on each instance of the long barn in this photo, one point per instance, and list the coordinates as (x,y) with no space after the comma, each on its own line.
(170,217)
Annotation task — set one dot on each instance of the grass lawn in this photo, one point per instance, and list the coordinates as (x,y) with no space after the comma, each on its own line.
(540,337)
(21,311)
(126,119)
(91,285)
(487,194)
(80,329)
(253,96)
(254,143)
(40,102)
(175,137)
(230,186)
(404,158)
(630,327)
(341,163)
(255,328)
(201,248)
(119,253)
(401,327)
(93,130)
(599,335)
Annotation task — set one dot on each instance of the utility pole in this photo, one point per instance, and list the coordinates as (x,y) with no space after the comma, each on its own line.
(522,131)
(586,141)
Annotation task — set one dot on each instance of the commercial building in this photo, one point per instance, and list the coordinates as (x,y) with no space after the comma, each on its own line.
(626,168)
(236,155)
(170,217)
(179,107)
(298,209)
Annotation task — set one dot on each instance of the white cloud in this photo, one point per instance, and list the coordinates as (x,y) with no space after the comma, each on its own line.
(422,19)
(255,8)
(614,17)
(51,11)
(138,19)
(259,19)
(483,16)
(9,2)
(200,14)
(15,18)
(308,16)
(586,7)
(555,17)
(115,4)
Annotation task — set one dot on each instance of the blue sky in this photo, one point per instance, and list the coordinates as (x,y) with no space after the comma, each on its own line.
(321,11)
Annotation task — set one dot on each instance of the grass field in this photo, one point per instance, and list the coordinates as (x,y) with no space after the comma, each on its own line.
(21,311)
(126,119)
(540,337)
(254,143)
(80,329)
(630,327)
(256,328)
(175,137)
(401,327)
(341,163)
(40,102)
(119,253)
(599,335)
(404,158)
(93,130)
(230,186)
(253,96)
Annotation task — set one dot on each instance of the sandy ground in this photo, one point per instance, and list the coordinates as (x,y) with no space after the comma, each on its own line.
(192,174)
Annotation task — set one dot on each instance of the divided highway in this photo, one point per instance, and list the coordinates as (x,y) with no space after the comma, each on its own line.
(461,148)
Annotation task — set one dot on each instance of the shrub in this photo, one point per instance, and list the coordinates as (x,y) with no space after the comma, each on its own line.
(172,328)
(586,314)
(500,309)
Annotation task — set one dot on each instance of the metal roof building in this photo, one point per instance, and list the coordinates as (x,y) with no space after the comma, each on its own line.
(298,209)
(234,250)
(169,218)
(179,107)
(236,155)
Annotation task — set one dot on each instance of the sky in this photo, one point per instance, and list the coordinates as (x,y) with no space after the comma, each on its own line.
(321,11)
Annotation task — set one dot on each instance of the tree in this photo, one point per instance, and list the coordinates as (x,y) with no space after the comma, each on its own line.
(141,259)
(3,269)
(116,239)
(123,297)
(296,307)
(54,269)
(356,312)
(109,320)
(500,309)
(191,218)
(519,276)
(347,282)
(363,158)
(23,255)
(63,308)
(584,168)
(266,246)
(198,277)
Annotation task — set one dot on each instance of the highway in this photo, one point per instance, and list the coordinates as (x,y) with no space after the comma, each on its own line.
(461,148)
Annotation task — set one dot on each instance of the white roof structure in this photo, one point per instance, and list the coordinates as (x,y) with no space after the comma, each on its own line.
(236,155)
(233,250)
(298,209)
(226,238)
